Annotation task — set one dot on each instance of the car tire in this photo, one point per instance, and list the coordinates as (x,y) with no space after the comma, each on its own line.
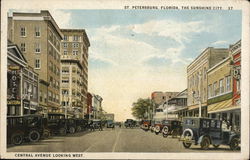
(186,145)
(78,129)
(72,130)
(34,136)
(234,144)
(62,131)
(46,133)
(205,143)
(216,145)
(17,138)
(165,131)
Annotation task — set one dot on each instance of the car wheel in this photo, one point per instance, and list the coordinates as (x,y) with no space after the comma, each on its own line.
(17,138)
(165,131)
(216,145)
(205,143)
(46,133)
(62,131)
(78,129)
(72,130)
(234,144)
(187,145)
(34,136)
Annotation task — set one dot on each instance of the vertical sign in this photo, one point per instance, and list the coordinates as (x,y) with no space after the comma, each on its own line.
(14,85)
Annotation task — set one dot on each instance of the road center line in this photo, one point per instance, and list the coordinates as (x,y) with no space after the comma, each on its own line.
(116,140)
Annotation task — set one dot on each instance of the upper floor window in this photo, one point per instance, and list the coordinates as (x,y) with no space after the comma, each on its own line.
(75,45)
(221,87)
(75,38)
(75,53)
(228,83)
(65,38)
(65,45)
(23,47)
(65,52)
(238,85)
(37,47)
(22,31)
(37,31)
(37,64)
(215,91)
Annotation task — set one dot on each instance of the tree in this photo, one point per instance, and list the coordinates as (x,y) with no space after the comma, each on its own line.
(141,107)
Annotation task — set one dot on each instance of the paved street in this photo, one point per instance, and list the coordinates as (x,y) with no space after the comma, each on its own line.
(117,140)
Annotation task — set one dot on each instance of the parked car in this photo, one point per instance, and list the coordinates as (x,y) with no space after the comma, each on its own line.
(157,126)
(146,125)
(205,131)
(28,127)
(152,126)
(96,124)
(71,125)
(81,124)
(172,127)
(57,123)
(110,124)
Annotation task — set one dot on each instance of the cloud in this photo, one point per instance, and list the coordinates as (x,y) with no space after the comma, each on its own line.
(63,19)
(216,43)
(178,31)
(98,61)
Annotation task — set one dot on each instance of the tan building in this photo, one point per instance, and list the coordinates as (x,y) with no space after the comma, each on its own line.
(159,97)
(197,79)
(39,37)
(74,66)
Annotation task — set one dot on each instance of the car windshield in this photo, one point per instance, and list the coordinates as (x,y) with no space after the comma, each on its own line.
(165,122)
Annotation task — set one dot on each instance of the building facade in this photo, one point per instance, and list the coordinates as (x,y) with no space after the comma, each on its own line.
(74,66)
(97,106)
(38,37)
(197,79)
(22,92)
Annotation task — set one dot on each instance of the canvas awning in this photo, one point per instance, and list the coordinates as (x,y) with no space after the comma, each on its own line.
(222,107)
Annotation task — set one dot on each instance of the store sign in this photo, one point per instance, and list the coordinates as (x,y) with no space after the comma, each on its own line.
(14,83)
(236,72)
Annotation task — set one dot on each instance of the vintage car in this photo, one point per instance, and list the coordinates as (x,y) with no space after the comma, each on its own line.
(57,124)
(81,124)
(157,126)
(28,127)
(71,125)
(110,124)
(95,124)
(206,131)
(146,125)
(129,123)
(152,126)
(172,127)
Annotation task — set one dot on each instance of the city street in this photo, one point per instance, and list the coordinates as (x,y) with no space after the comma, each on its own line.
(109,140)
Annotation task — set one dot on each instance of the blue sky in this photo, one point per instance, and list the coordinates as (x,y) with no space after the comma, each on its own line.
(136,52)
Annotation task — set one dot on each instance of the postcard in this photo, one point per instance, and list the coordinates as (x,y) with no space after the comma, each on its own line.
(124,79)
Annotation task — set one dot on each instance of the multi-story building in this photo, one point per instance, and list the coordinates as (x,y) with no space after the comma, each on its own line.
(22,92)
(159,97)
(88,114)
(39,37)
(197,79)
(97,106)
(74,66)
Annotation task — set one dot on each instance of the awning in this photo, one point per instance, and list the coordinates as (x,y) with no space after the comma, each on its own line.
(196,106)
(222,107)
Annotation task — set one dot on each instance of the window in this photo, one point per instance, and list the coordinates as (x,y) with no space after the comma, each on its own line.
(35,92)
(75,53)
(75,45)
(37,48)
(65,37)
(215,89)
(75,38)
(50,96)
(23,31)
(65,92)
(65,45)
(50,81)
(37,32)
(65,70)
(65,80)
(41,96)
(228,83)
(65,52)
(23,49)
(238,85)
(37,64)
(221,87)
(45,97)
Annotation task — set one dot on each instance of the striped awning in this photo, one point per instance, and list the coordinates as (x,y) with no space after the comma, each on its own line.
(221,106)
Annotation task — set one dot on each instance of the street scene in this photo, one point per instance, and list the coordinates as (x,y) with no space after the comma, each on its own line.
(146,82)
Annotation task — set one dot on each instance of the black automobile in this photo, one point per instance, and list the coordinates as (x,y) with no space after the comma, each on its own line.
(57,124)
(81,124)
(129,123)
(28,127)
(71,125)
(171,127)
(110,124)
(206,131)
(95,124)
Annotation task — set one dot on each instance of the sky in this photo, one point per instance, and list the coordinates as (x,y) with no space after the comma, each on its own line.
(136,52)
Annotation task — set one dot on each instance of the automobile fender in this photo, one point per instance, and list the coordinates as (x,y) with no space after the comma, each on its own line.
(233,136)
(188,130)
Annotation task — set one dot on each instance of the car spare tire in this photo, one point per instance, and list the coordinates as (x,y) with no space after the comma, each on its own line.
(34,136)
